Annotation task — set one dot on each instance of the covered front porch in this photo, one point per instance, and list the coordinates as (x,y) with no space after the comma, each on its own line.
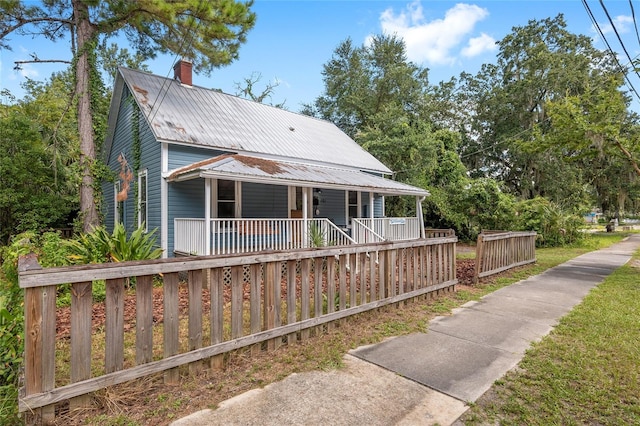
(252,205)
(195,236)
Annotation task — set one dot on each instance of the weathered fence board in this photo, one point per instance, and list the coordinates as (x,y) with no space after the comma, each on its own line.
(81,307)
(114,325)
(171,323)
(498,251)
(346,281)
(144,319)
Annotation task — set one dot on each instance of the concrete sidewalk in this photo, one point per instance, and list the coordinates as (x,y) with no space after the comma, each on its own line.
(427,378)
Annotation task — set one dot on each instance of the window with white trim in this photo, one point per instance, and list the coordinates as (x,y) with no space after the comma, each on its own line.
(142,200)
(226,199)
(352,205)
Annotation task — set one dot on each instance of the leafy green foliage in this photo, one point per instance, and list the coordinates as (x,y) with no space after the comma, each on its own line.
(317,236)
(554,226)
(30,198)
(99,246)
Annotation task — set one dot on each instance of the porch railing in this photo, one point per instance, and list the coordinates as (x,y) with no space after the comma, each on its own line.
(232,236)
(386,228)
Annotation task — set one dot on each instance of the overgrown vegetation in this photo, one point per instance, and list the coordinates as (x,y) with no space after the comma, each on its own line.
(52,250)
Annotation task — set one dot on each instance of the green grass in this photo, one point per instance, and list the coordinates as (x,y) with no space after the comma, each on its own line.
(587,371)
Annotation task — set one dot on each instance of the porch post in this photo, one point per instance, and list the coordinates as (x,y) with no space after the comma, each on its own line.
(419,215)
(305,216)
(207,216)
(371,197)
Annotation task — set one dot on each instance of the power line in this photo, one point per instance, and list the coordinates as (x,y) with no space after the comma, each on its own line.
(505,139)
(155,108)
(615,57)
(635,23)
(618,36)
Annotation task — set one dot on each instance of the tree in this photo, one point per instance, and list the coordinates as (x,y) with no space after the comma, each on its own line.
(380,98)
(208,33)
(30,199)
(597,128)
(538,63)
(246,89)
(369,85)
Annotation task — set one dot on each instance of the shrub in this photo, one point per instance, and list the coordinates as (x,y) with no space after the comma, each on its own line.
(100,247)
(555,226)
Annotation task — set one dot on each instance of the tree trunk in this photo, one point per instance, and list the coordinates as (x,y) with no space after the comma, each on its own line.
(84,34)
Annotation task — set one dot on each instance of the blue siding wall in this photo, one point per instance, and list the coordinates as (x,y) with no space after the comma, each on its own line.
(121,145)
(186,200)
(149,160)
(180,156)
(264,201)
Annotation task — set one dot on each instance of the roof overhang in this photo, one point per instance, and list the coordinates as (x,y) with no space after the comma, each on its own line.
(259,170)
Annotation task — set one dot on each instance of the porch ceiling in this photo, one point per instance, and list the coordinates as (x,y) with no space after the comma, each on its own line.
(274,172)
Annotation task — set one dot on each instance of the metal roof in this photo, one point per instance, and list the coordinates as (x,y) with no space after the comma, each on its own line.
(198,116)
(253,169)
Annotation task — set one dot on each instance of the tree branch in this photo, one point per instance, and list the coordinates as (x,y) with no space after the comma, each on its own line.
(34,61)
(626,152)
(21,22)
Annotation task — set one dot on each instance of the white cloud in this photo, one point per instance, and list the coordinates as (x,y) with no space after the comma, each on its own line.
(479,45)
(433,41)
(28,71)
(621,22)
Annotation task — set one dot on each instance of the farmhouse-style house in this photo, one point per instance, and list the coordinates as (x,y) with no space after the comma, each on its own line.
(218,174)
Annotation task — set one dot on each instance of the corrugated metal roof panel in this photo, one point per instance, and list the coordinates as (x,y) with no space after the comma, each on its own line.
(195,115)
(242,167)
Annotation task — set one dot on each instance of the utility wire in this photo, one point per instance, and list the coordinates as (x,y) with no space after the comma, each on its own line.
(155,108)
(624,48)
(615,57)
(503,140)
(635,23)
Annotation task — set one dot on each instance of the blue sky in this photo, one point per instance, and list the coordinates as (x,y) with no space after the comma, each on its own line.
(292,40)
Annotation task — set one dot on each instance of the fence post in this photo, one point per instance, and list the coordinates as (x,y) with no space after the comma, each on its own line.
(479,256)
(39,341)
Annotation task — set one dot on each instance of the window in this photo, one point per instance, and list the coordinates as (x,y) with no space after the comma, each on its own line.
(352,205)
(118,216)
(226,199)
(298,198)
(142,200)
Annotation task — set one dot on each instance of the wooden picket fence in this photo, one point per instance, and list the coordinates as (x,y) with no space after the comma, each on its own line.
(497,251)
(283,298)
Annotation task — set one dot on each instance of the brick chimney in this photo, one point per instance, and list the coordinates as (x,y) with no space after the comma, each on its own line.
(182,72)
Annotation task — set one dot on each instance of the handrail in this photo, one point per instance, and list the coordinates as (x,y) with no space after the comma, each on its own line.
(248,235)
(378,238)
(337,230)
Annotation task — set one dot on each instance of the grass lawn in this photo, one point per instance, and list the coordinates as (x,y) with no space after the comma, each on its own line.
(587,371)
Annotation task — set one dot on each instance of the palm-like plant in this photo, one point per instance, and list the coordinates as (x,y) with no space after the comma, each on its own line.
(99,246)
